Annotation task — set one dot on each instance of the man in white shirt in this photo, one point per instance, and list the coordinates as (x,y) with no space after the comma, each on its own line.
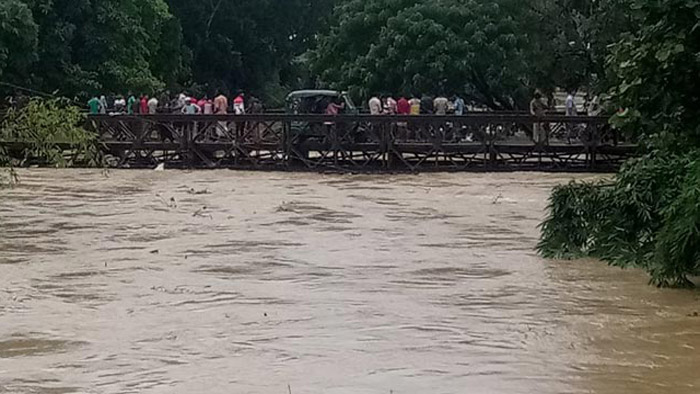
(152,105)
(440,105)
(119,105)
(375,105)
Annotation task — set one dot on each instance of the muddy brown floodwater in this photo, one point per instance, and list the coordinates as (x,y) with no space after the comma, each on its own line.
(124,282)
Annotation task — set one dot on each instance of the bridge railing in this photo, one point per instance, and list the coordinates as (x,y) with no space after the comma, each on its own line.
(484,141)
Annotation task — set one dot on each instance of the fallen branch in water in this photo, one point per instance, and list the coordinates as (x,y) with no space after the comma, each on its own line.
(201,213)
(170,204)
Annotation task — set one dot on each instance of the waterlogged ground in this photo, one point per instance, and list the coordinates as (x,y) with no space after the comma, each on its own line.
(124,282)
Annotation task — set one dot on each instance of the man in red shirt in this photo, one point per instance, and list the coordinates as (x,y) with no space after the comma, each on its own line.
(143,105)
(403,107)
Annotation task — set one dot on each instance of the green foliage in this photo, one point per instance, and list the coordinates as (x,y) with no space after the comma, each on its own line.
(18,37)
(78,48)
(569,230)
(86,47)
(249,44)
(647,217)
(678,242)
(569,40)
(402,45)
(496,52)
(47,132)
(656,70)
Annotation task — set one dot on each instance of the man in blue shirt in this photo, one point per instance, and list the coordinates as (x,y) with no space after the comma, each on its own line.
(459,105)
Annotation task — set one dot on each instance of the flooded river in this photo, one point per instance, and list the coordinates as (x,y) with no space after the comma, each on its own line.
(235,282)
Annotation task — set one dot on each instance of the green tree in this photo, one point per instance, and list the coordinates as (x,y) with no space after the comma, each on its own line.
(249,44)
(649,215)
(496,52)
(475,47)
(106,46)
(570,40)
(656,72)
(18,40)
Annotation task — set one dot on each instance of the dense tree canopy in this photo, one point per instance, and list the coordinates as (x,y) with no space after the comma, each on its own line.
(251,44)
(569,40)
(429,46)
(18,36)
(81,47)
(656,71)
(494,51)
(84,46)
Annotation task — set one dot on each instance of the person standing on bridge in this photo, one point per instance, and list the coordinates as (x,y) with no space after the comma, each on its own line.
(239,109)
(152,105)
(94,105)
(190,107)
(570,108)
(390,105)
(415,105)
(119,105)
(459,105)
(440,105)
(239,104)
(221,108)
(403,107)
(143,104)
(426,105)
(131,104)
(220,104)
(334,107)
(103,104)
(375,105)
(571,105)
(538,108)
(202,102)
(208,107)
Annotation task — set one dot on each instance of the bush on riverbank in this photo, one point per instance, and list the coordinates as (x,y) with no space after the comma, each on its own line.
(648,217)
(48,133)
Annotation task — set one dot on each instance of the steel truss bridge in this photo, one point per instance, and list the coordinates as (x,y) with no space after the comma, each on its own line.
(362,143)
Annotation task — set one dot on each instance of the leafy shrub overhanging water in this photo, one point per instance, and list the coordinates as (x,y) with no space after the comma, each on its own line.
(47,133)
(648,217)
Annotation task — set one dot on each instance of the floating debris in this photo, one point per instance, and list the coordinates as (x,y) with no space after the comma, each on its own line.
(198,192)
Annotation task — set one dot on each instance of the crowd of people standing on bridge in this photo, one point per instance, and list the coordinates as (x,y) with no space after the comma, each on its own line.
(455,105)
(182,103)
(239,104)
(413,105)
